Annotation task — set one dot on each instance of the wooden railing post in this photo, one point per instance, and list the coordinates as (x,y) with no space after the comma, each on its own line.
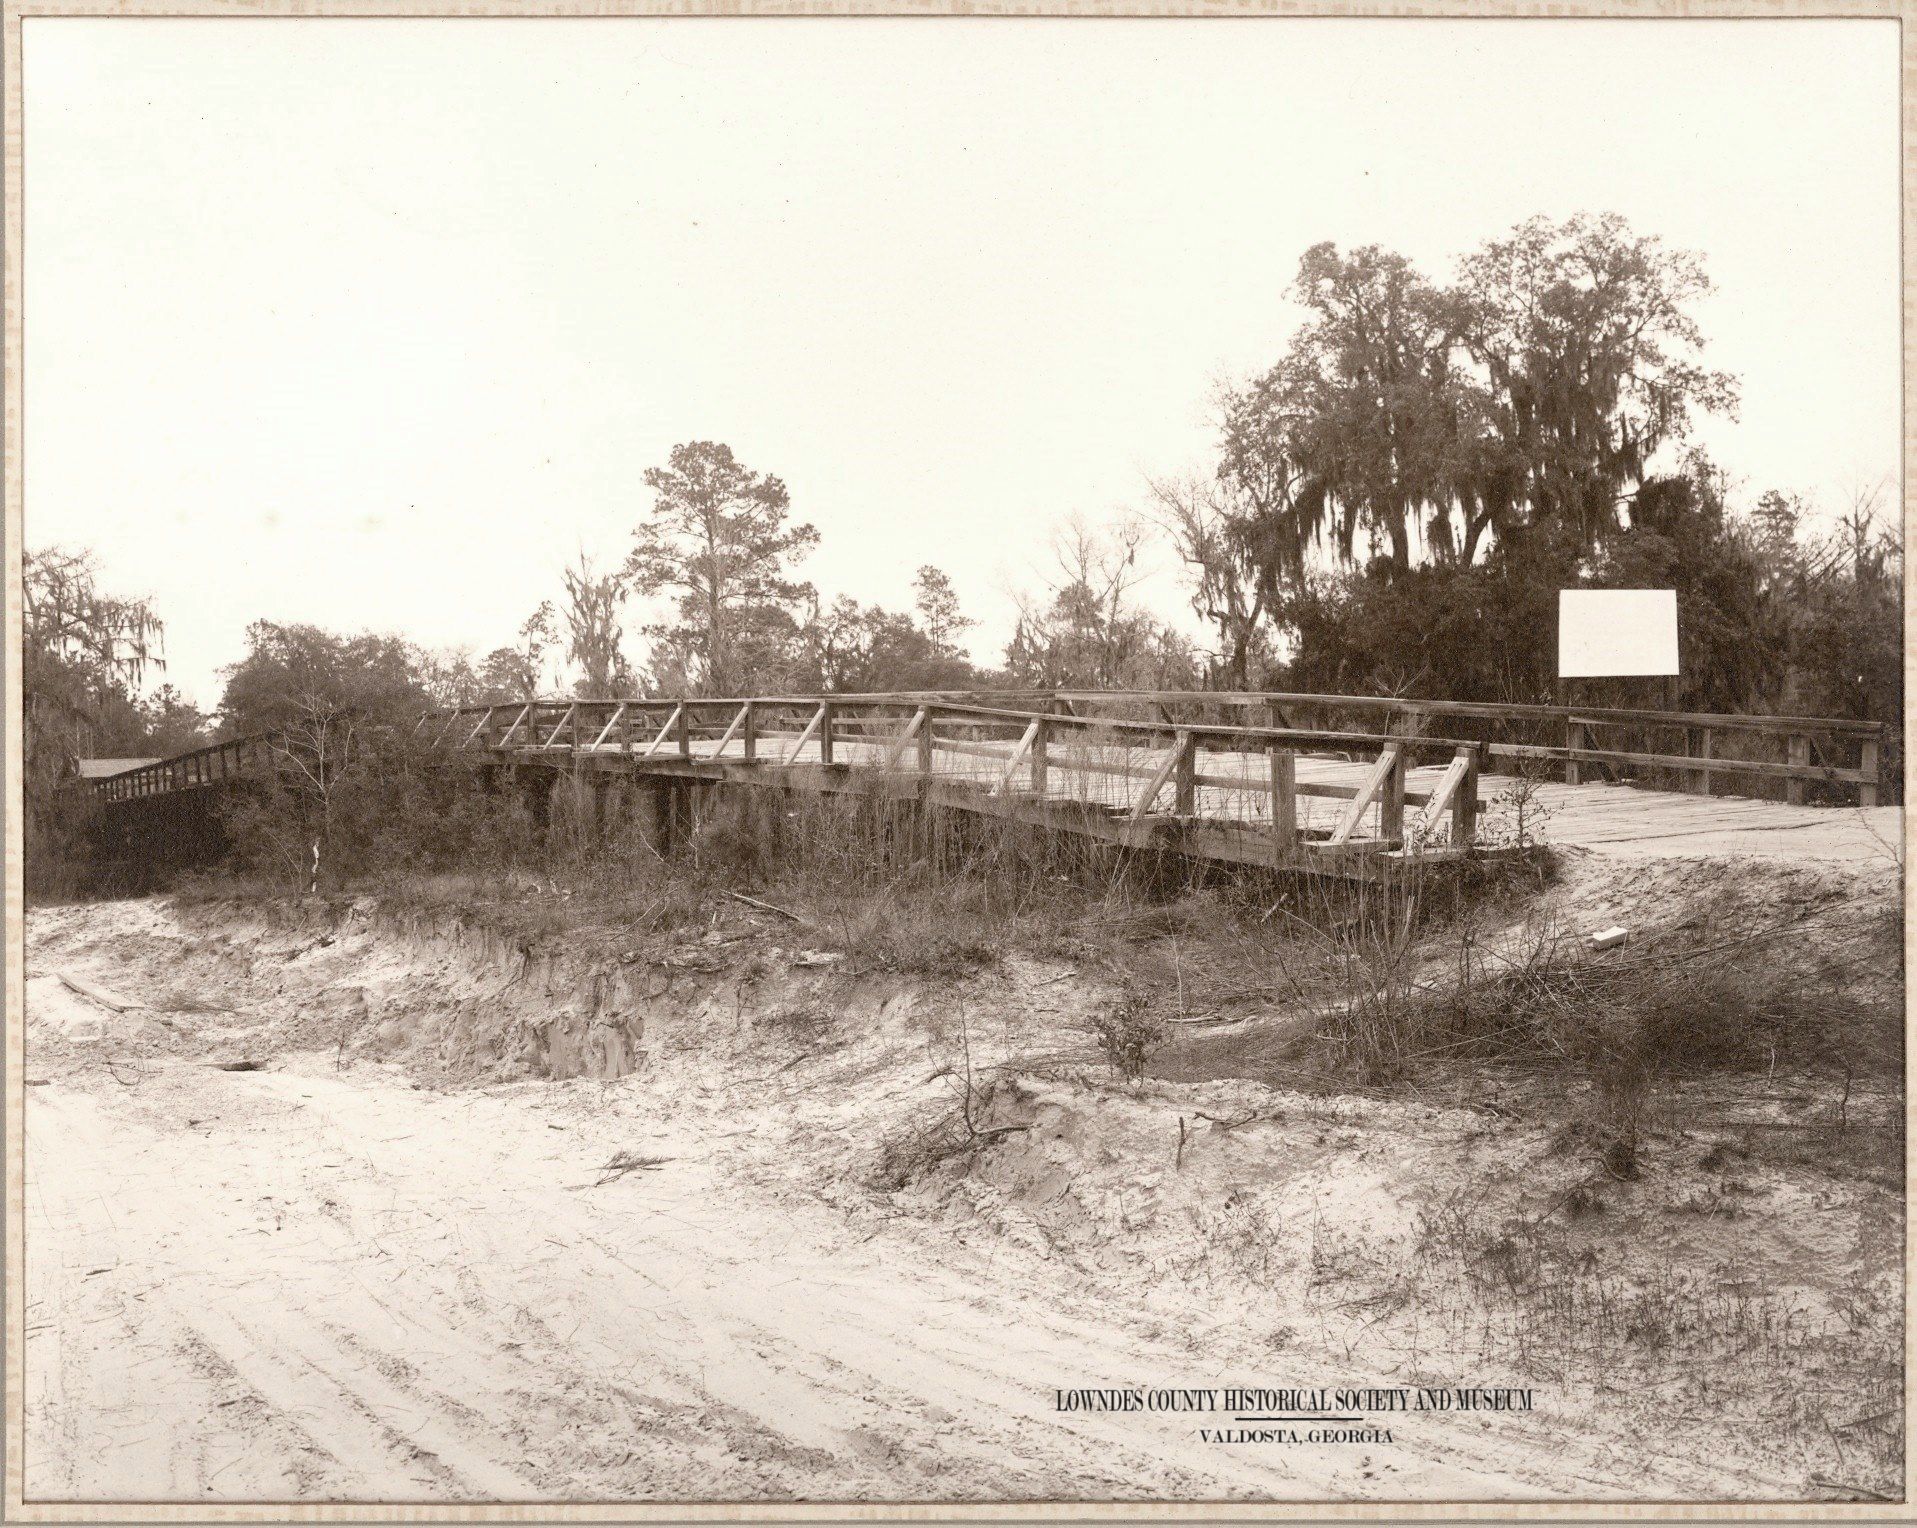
(749,732)
(685,729)
(1284,803)
(1800,753)
(1041,734)
(825,732)
(1870,761)
(1573,739)
(1185,777)
(1701,745)
(925,740)
(1391,801)
(1464,805)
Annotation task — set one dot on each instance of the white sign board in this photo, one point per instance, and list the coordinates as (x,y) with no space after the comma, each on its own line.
(1611,633)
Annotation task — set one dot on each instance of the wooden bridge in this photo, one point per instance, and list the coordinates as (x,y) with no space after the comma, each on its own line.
(1262,778)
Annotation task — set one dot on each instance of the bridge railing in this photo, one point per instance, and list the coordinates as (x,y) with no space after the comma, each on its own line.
(1293,786)
(1679,750)
(211,765)
(1683,750)
(1689,751)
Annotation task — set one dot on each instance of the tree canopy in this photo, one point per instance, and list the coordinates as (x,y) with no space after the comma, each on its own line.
(718,543)
(1531,395)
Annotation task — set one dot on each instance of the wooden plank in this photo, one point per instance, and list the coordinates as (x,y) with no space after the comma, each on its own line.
(1284,804)
(1184,783)
(1158,779)
(1447,787)
(1387,762)
(1018,757)
(611,722)
(1391,802)
(1703,735)
(806,736)
(1802,770)
(478,727)
(897,749)
(665,732)
(1464,809)
(1252,739)
(732,731)
(525,711)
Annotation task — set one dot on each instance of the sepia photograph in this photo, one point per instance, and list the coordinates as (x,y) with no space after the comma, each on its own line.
(1014,766)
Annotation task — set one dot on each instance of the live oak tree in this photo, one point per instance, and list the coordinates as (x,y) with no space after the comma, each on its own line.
(1532,398)
(1367,382)
(1581,339)
(84,653)
(718,544)
(328,710)
(592,630)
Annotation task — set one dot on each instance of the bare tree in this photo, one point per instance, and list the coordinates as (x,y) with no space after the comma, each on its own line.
(310,757)
(1085,628)
(1210,531)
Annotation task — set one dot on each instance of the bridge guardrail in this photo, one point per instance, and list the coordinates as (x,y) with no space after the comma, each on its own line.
(1140,771)
(1621,741)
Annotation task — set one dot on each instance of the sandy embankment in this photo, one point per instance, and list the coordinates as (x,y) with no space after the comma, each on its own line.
(384,1267)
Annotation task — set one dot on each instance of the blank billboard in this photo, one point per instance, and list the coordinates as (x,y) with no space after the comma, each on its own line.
(1612,633)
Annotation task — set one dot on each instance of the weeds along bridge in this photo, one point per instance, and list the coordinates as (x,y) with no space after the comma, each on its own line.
(1255,778)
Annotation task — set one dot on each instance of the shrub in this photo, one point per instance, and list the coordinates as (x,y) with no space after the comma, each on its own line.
(1129,1032)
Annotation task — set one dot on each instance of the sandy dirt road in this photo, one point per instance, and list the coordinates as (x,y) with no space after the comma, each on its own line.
(280,1285)
(307,1282)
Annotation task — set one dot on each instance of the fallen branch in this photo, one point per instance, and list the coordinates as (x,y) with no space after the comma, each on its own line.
(1826,1483)
(99,995)
(624,1162)
(1243,1119)
(1874,1416)
(764,907)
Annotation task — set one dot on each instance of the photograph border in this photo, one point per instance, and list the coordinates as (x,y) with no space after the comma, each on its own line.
(13,1505)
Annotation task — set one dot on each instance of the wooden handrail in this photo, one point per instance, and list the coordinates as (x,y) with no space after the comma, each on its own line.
(1064,712)
(1482,709)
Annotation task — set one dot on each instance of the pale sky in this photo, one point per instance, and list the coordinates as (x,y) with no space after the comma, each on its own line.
(374,323)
